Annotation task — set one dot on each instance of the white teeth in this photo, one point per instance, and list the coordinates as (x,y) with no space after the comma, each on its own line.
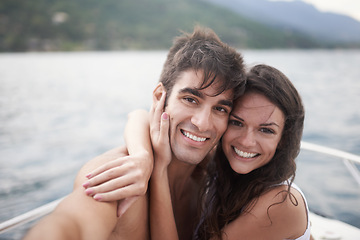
(195,138)
(244,154)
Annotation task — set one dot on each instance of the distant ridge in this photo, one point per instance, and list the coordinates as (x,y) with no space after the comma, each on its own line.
(299,16)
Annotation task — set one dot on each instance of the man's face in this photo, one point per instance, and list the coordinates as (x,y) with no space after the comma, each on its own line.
(197,117)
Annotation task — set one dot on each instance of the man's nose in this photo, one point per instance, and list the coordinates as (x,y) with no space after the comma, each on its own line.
(202,120)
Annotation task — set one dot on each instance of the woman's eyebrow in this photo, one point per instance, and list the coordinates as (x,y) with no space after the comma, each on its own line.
(237,117)
(263,124)
(269,124)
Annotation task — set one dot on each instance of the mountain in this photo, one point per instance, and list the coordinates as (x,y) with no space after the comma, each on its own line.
(297,16)
(87,25)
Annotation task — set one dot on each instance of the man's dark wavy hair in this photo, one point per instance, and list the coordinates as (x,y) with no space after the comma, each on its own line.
(202,50)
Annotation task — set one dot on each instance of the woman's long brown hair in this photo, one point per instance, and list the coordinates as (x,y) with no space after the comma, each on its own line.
(227,194)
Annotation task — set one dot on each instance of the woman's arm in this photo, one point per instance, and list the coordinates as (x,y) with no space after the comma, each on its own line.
(126,177)
(162,221)
(137,136)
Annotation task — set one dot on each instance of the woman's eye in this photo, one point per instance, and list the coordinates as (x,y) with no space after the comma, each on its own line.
(235,123)
(267,130)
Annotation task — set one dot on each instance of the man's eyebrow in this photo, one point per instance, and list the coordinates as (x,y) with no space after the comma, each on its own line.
(192,92)
(199,94)
(228,103)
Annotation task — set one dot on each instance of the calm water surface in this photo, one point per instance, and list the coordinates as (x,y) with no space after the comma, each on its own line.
(59,110)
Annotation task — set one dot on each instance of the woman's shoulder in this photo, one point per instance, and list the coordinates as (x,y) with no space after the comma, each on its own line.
(277,199)
(282,211)
(274,215)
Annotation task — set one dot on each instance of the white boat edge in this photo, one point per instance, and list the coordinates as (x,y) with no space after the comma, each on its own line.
(321,227)
(325,228)
(29,216)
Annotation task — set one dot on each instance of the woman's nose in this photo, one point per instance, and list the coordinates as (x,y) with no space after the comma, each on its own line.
(248,138)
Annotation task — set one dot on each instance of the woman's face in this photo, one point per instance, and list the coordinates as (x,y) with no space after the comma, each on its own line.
(253,134)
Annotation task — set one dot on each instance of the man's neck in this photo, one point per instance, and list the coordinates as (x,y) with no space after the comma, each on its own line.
(180,176)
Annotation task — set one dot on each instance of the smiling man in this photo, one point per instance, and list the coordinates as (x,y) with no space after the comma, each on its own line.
(198,117)
(209,76)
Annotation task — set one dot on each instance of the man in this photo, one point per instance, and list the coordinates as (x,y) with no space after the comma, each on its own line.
(201,77)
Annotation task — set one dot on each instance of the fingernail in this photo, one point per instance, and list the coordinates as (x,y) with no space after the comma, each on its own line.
(86,184)
(88,176)
(89,191)
(97,197)
(165,116)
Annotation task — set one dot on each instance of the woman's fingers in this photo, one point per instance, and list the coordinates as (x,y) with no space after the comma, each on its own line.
(117,189)
(117,183)
(109,186)
(112,163)
(164,129)
(162,151)
(108,175)
(100,170)
(119,194)
(155,114)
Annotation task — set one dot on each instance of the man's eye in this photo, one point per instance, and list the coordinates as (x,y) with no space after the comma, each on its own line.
(221,109)
(189,99)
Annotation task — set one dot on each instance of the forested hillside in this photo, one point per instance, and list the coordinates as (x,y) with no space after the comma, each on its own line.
(81,25)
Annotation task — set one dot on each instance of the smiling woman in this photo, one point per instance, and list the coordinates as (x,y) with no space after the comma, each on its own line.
(249,191)
(254,132)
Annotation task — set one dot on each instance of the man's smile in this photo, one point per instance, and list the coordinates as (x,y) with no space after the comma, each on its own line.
(193,137)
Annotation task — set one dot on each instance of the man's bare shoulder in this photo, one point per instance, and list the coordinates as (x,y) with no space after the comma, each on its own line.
(79,216)
(134,223)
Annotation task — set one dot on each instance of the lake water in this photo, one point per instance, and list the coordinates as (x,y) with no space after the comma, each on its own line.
(59,110)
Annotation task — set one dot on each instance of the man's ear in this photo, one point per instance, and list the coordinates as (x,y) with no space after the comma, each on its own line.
(158,92)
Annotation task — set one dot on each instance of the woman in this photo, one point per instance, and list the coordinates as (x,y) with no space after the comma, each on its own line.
(248,192)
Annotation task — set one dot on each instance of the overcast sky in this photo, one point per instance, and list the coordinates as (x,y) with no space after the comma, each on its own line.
(347,7)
